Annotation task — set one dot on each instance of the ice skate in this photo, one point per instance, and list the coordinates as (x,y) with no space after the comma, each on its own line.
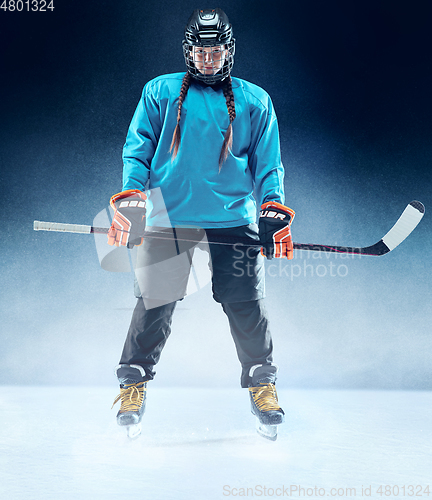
(264,401)
(132,395)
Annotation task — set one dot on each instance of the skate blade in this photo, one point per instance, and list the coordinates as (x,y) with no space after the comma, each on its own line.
(266,431)
(133,431)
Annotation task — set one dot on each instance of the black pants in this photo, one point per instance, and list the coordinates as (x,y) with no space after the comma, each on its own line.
(238,284)
(150,329)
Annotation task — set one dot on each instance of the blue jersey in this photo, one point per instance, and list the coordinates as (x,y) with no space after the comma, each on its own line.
(194,191)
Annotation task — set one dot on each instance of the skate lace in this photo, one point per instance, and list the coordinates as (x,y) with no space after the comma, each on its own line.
(265,397)
(131,396)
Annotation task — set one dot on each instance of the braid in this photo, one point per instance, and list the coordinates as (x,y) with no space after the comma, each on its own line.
(175,143)
(228,138)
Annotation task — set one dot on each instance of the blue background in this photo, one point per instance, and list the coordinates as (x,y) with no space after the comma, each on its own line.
(350,82)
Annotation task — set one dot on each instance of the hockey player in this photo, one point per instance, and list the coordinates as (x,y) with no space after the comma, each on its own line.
(206,140)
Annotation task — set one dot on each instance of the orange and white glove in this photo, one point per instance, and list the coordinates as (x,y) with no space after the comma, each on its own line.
(128,224)
(275,230)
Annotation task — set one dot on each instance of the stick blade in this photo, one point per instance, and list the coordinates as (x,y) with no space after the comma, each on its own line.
(405,225)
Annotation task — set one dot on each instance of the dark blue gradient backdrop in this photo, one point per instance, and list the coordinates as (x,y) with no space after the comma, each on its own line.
(351,84)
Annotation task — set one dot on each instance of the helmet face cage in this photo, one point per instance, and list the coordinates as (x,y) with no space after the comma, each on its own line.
(209,46)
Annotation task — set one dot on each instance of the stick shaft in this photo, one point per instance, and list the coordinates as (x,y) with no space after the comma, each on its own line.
(83,229)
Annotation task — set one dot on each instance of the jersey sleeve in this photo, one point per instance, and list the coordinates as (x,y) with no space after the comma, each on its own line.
(264,154)
(141,142)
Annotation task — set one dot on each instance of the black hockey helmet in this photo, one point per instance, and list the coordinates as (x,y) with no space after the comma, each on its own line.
(205,29)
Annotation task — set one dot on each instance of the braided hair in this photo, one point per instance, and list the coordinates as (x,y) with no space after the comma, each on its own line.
(228,138)
(175,143)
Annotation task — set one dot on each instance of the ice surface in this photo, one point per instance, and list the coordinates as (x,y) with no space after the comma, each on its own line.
(63,443)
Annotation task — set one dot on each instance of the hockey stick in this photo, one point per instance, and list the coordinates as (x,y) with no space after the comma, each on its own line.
(406,223)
